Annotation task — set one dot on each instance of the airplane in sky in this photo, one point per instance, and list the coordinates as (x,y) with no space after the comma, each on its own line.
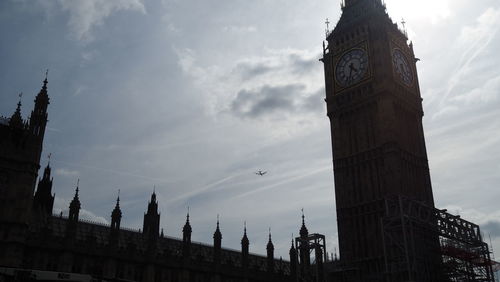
(261,173)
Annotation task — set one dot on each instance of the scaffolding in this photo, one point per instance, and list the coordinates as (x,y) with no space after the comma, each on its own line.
(426,244)
(314,244)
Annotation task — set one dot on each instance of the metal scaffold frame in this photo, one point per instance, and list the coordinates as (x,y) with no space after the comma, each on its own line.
(314,244)
(427,244)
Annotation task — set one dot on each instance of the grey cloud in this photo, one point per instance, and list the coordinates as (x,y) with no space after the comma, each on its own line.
(293,62)
(248,71)
(273,99)
(267,100)
(313,103)
(492,228)
(302,64)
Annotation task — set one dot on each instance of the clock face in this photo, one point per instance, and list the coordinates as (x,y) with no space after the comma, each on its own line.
(351,67)
(401,67)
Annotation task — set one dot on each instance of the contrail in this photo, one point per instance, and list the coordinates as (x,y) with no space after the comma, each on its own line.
(157,180)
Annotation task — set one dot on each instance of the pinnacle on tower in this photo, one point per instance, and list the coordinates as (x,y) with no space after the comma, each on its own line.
(270,254)
(244,240)
(16,118)
(187,230)
(43,200)
(74,206)
(303,230)
(38,118)
(217,233)
(151,224)
(270,242)
(116,214)
(217,243)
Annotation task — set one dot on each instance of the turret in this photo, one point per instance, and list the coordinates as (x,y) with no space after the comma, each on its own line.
(186,238)
(74,211)
(116,217)
(43,201)
(305,259)
(270,254)
(151,225)
(16,120)
(217,243)
(293,262)
(245,244)
(38,118)
(74,206)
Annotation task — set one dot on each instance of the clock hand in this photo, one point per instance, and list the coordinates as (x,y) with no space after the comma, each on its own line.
(352,68)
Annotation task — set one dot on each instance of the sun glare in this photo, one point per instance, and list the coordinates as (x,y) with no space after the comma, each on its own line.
(431,11)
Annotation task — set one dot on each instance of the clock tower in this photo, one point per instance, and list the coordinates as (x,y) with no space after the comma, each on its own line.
(375,110)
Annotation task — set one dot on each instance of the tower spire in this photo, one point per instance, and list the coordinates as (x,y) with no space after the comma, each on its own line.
(186,238)
(245,244)
(217,243)
(38,118)
(16,119)
(116,216)
(303,229)
(74,206)
(270,253)
(151,224)
(43,200)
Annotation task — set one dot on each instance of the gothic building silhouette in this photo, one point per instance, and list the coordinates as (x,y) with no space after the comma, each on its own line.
(389,229)
(33,238)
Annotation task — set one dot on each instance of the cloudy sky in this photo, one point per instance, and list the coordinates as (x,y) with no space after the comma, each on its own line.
(194,96)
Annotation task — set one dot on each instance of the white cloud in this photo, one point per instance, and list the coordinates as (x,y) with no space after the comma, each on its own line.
(61,206)
(427,10)
(470,47)
(84,15)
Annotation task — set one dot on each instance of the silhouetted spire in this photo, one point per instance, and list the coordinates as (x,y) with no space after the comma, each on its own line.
(270,245)
(116,214)
(186,238)
(43,201)
(217,233)
(303,230)
(16,119)
(151,225)
(46,172)
(244,240)
(217,242)
(270,254)
(245,244)
(74,206)
(293,262)
(38,118)
(187,230)
(292,248)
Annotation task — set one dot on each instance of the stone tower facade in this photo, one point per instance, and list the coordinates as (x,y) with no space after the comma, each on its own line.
(375,111)
(20,149)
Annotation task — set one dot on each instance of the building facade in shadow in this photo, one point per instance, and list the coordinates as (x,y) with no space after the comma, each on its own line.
(33,239)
